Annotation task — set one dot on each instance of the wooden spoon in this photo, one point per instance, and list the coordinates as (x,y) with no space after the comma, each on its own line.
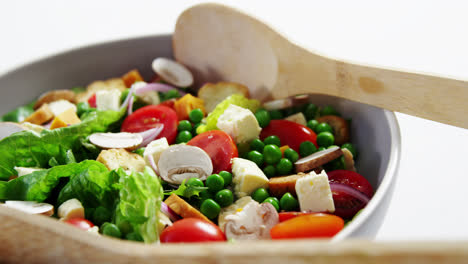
(220,43)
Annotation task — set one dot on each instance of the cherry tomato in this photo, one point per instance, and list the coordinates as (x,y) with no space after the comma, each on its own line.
(308,226)
(148,116)
(347,206)
(289,133)
(192,230)
(92,101)
(169,103)
(219,146)
(288,215)
(80,223)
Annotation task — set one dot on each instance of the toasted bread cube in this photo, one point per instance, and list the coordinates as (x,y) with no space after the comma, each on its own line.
(116,158)
(214,93)
(71,209)
(41,115)
(184,209)
(68,117)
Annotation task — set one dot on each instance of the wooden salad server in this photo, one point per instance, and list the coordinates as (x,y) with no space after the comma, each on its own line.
(219,43)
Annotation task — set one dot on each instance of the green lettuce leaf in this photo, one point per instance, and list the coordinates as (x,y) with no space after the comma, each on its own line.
(29,149)
(140,196)
(18,114)
(187,191)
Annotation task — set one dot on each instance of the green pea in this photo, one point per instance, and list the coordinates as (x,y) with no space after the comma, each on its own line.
(273,201)
(276,114)
(243,147)
(329,110)
(325,139)
(134,237)
(289,203)
(195,127)
(310,111)
(306,148)
(170,94)
(256,157)
(206,195)
(210,208)
(260,195)
(82,107)
(257,145)
(215,183)
(195,182)
(272,140)
(196,115)
(291,154)
(270,171)
(112,230)
(183,137)
(312,124)
(224,197)
(284,166)
(263,117)
(124,226)
(272,154)
(323,127)
(140,151)
(184,125)
(321,148)
(101,215)
(351,148)
(227,177)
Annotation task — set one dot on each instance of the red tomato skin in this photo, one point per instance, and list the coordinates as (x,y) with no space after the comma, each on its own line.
(81,223)
(146,117)
(192,230)
(92,101)
(308,226)
(289,133)
(352,179)
(219,146)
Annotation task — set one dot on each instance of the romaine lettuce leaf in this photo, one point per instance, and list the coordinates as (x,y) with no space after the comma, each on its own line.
(29,149)
(19,114)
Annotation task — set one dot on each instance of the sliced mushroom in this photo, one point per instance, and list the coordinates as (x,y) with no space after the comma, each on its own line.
(348,160)
(286,102)
(340,127)
(317,159)
(172,72)
(182,162)
(122,140)
(252,222)
(8,128)
(56,95)
(31,207)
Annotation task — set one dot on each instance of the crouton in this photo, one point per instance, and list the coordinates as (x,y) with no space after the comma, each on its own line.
(41,115)
(214,93)
(184,209)
(110,84)
(116,158)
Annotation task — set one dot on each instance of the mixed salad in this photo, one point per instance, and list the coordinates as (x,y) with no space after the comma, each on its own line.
(152,162)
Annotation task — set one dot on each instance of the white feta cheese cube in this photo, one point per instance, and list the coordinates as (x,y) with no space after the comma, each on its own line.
(314,193)
(108,100)
(239,123)
(155,148)
(247,177)
(61,106)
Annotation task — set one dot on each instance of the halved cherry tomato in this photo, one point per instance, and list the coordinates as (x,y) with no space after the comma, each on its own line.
(92,101)
(219,146)
(192,230)
(289,133)
(80,223)
(169,103)
(148,116)
(308,226)
(283,216)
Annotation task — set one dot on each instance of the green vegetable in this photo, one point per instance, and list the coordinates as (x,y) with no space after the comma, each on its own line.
(210,208)
(169,95)
(291,154)
(18,114)
(139,151)
(272,154)
(274,201)
(29,149)
(312,124)
(323,127)
(206,195)
(112,230)
(82,107)
(183,137)
(329,110)
(276,114)
(224,197)
(306,148)
(270,171)
(310,111)
(263,117)
(321,148)
(256,157)
(272,140)
(134,237)
(284,166)
(214,182)
(325,139)
(101,215)
(184,125)
(260,195)
(187,191)
(236,99)
(195,182)
(196,115)
(227,177)
(288,202)
(257,145)
(351,148)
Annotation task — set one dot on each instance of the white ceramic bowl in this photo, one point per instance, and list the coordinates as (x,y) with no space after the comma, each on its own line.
(375,131)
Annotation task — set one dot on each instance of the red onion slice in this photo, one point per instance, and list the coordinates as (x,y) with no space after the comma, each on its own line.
(151,134)
(130,106)
(339,187)
(127,99)
(152,163)
(168,211)
(158,87)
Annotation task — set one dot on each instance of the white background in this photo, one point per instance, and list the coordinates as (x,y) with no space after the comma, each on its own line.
(430,199)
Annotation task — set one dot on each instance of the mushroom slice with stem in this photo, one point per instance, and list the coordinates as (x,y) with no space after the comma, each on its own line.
(31,207)
(182,162)
(121,140)
(172,72)
(317,159)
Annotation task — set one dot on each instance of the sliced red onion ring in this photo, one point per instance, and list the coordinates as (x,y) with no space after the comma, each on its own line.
(127,99)
(152,163)
(168,211)
(158,87)
(150,134)
(130,106)
(340,187)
